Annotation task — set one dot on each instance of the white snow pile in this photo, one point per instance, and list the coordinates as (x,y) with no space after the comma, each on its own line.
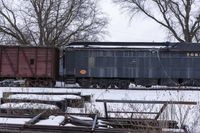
(173,130)
(57,120)
(70,125)
(43,97)
(14,120)
(52,121)
(27,106)
(75,110)
(62,84)
(82,118)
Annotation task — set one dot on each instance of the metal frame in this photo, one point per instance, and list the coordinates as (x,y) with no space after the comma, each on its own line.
(62,105)
(92,127)
(165,104)
(121,44)
(86,98)
(6,94)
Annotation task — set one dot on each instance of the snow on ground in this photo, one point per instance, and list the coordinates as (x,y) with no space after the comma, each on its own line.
(75,110)
(82,118)
(43,97)
(70,125)
(27,106)
(14,120)
(189,115)
(173,130)
(52,121)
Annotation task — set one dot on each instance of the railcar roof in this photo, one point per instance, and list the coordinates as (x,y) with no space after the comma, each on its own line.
(137,45)
(23,46)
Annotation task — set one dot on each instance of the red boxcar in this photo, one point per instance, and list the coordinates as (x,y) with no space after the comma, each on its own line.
(38,65)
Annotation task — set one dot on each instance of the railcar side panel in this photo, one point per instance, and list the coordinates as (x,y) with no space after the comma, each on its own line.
(173,64)
(28,62)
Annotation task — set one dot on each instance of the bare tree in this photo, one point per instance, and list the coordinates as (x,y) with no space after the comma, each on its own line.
(51,22)
(180,17)
(8,25)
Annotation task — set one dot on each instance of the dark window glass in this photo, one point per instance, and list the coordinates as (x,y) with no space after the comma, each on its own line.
(32,61)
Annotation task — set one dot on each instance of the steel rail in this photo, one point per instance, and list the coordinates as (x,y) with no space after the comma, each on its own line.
(146,102)
(132,88)
(141,88)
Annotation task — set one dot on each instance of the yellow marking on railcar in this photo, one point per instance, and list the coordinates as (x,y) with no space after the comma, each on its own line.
(83,72)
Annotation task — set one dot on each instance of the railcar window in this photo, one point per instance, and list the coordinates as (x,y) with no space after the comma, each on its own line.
(119,53)
(140,54)
(128,53)
(91,62)
(102,53)
(104,62)
(108,53)
(95,53)
(32,61)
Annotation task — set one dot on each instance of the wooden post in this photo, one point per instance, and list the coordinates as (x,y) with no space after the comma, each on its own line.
(94,123)
(35,119)
(161,111)
(105,109)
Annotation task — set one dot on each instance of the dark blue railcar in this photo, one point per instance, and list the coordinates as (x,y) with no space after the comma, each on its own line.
(113,64)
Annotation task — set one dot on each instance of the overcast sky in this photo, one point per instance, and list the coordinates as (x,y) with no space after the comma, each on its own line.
(140,29)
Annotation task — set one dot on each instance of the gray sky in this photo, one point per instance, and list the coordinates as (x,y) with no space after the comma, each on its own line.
(140,29)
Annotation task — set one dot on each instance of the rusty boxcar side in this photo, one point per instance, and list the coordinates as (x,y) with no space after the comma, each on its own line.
(31,63)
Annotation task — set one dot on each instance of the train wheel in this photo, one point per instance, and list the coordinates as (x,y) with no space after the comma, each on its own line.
(51,84)
(148,86)
(41,83)
(46,83)
(84,83)
(104,84)
(36,83)
(26,83)
(94,85)
(123,84)
(29,83)
(190,82)
(112,86)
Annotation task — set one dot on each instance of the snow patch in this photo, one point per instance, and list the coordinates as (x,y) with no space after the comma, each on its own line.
(27,106)
(173,130)
(82,118)
(14,120)
(52,121)
(43,97)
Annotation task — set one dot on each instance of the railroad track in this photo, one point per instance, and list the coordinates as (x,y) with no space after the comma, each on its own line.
(156,88)
(143,88)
